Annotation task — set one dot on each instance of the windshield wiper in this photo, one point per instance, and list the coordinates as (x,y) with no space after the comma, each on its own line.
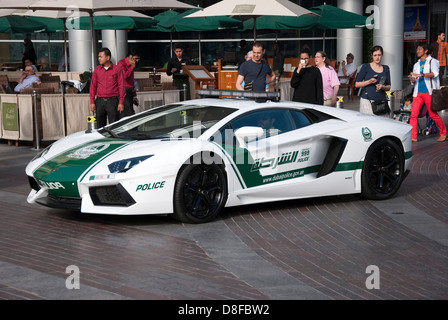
(113,134)
(137,136)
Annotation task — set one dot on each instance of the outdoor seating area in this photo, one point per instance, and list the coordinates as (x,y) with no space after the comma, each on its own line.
(54,87)
(6,86)
(11,66)
(350,85)
(16,66)
(147,84)
(152,83)
(60,81)
(60,114)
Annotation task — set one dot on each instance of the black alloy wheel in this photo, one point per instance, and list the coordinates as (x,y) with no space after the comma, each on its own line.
(200,193)
(383,170)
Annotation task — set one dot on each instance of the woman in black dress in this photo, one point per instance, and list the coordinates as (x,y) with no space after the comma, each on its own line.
(29,52)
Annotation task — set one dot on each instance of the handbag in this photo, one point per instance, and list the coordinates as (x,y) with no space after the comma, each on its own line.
(380,107)
(439,97)
(439,100)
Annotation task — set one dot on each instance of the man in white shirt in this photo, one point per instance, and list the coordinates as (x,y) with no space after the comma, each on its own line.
(425,77)
(27,79)
(347,69)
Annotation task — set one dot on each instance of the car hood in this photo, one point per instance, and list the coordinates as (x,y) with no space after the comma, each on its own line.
(66,168)
(74,163)
(63,163)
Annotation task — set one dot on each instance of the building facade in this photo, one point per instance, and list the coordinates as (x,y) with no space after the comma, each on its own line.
(398,26)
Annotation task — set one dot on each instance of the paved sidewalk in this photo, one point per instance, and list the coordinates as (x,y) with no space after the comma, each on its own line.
(318,248)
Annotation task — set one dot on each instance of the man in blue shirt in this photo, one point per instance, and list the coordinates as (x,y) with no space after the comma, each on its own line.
(27,79)
(253,72)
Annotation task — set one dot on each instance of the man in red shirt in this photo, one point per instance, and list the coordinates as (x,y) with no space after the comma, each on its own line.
(128,65)
(439,51)
(107,91)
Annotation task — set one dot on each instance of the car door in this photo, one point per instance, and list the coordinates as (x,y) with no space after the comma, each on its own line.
(282,153)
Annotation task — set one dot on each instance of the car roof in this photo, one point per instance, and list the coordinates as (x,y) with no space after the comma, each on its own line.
(245,101)
(244,104)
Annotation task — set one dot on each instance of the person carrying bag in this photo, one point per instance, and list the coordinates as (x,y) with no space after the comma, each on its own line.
(374,77)
(253,72)
(425,77)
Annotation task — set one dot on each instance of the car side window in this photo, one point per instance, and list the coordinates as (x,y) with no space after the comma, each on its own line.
(300,119)
(273,121)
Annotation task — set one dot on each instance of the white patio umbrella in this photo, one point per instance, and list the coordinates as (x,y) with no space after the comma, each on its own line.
(244,9)
(91,6)
(95,5)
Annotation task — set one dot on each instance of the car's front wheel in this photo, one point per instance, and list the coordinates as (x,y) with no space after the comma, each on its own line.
(383,170)
(200,193)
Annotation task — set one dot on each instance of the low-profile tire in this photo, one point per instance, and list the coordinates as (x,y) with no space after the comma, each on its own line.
(200,193)
(383,170)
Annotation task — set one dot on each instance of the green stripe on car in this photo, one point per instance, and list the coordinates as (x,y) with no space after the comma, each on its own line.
(254,178)
(62,173)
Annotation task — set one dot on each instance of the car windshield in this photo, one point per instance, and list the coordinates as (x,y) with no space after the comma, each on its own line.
(172,122)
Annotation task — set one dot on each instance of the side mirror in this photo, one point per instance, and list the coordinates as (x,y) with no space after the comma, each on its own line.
(248,134)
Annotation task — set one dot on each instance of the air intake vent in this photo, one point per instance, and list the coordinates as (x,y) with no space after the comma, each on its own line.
(33,183)
(334,154)
(111,196)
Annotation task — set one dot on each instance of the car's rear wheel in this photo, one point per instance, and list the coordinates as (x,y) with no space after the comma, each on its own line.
(383,170)
(200,193)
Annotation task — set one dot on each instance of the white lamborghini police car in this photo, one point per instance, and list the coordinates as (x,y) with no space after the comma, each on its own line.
(192,158)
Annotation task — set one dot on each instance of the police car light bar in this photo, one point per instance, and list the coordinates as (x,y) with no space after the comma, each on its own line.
(253,95)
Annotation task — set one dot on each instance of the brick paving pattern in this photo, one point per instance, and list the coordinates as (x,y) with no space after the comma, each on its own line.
(302,249)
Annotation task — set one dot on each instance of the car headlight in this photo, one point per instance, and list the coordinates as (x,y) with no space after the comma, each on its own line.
(42,153)
(126,164)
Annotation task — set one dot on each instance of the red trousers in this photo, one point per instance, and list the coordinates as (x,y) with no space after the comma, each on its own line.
(417,104)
